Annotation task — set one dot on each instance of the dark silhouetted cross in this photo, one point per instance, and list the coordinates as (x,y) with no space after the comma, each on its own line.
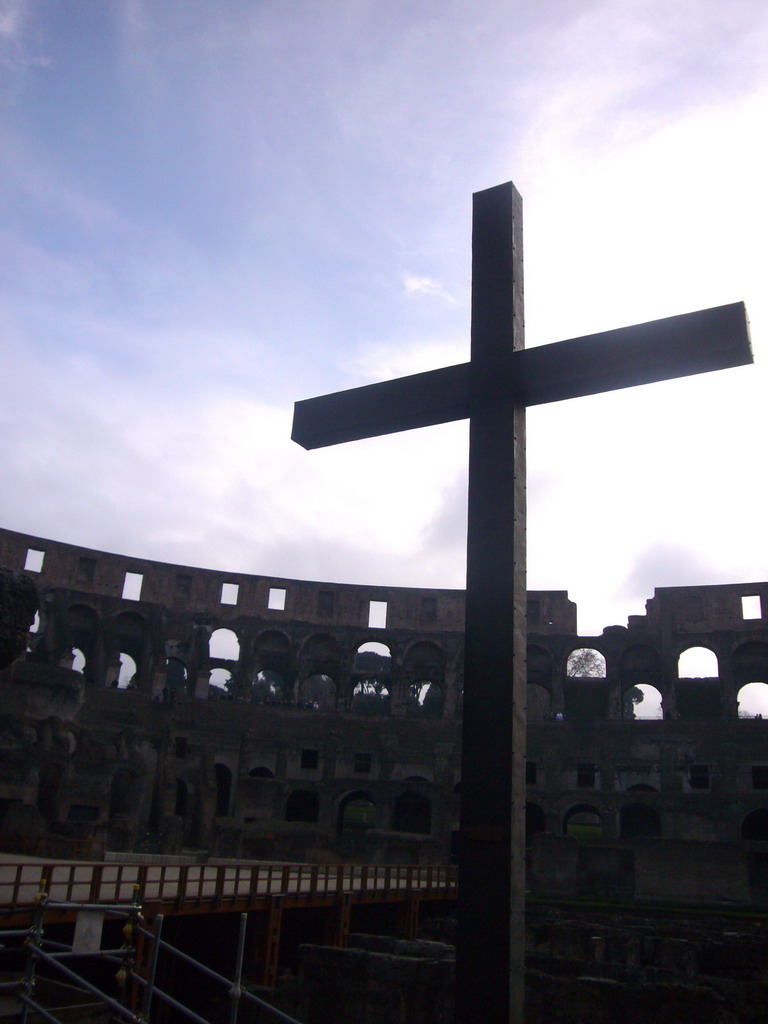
(493,390)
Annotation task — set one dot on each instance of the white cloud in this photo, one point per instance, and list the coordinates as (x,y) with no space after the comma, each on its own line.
(415,285)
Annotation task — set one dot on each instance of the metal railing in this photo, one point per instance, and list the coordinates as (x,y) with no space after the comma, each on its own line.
(138,995)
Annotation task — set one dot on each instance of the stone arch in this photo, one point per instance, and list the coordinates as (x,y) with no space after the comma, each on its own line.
(535,821)
(320,654)
(638,665)
(223,790)
(752,700)
(540,666)
(697,663)
(261,772)
(424,699)
(356,810)
(412,812)
(755,825)
(583,822)
(83,630)
(642,702)
(220,684)
(750,663)
(370,697)
(638,821)
(371,679)
(424,660)
(318,691)
(224,645)
(269,687)
(129,632)
(273,649)
(302,805)
(176,675)
(128,672)
(585,663)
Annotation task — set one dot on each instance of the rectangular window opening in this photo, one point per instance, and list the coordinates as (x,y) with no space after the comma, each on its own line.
(530,773)
(325,604)
(377,614)
(698,776)
(132,586)
(751,607)
(363,763)
(310,759)
(34,560)
(229,592)
(181,747)
(586,775)
(760,776)
(276,600)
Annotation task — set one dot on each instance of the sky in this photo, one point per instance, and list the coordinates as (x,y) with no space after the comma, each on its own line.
(209,211)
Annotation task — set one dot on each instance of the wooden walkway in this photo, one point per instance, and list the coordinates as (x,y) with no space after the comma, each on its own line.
(265,891)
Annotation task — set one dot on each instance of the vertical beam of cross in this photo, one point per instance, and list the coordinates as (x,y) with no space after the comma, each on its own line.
(493,391)
(490,934)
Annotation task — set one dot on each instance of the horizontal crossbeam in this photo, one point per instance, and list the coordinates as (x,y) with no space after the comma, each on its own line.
(676,346)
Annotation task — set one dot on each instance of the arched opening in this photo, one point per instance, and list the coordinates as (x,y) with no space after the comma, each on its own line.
(319,692)
(302,806)
(176,675)
(373,659)
(539,703)
(641,787)
(642,702)
(321,656)
(357,811)
(424,699)
(755,826)
(82,629)
(120,793)
(639,821)
(697,663)
(261,773)
(128,638)
(639,666)
(126,677)
(223,790)
(269,688)
(583,822)
(224,644)
(752,700)
(750,663)
(412,813)
(534,821)
(370,697)
(220,684)
(78,660)
(585,663)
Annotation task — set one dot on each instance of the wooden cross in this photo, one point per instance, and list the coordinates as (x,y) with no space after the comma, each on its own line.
(493,390)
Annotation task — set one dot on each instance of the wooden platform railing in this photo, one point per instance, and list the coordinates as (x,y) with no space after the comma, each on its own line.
(191,888)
